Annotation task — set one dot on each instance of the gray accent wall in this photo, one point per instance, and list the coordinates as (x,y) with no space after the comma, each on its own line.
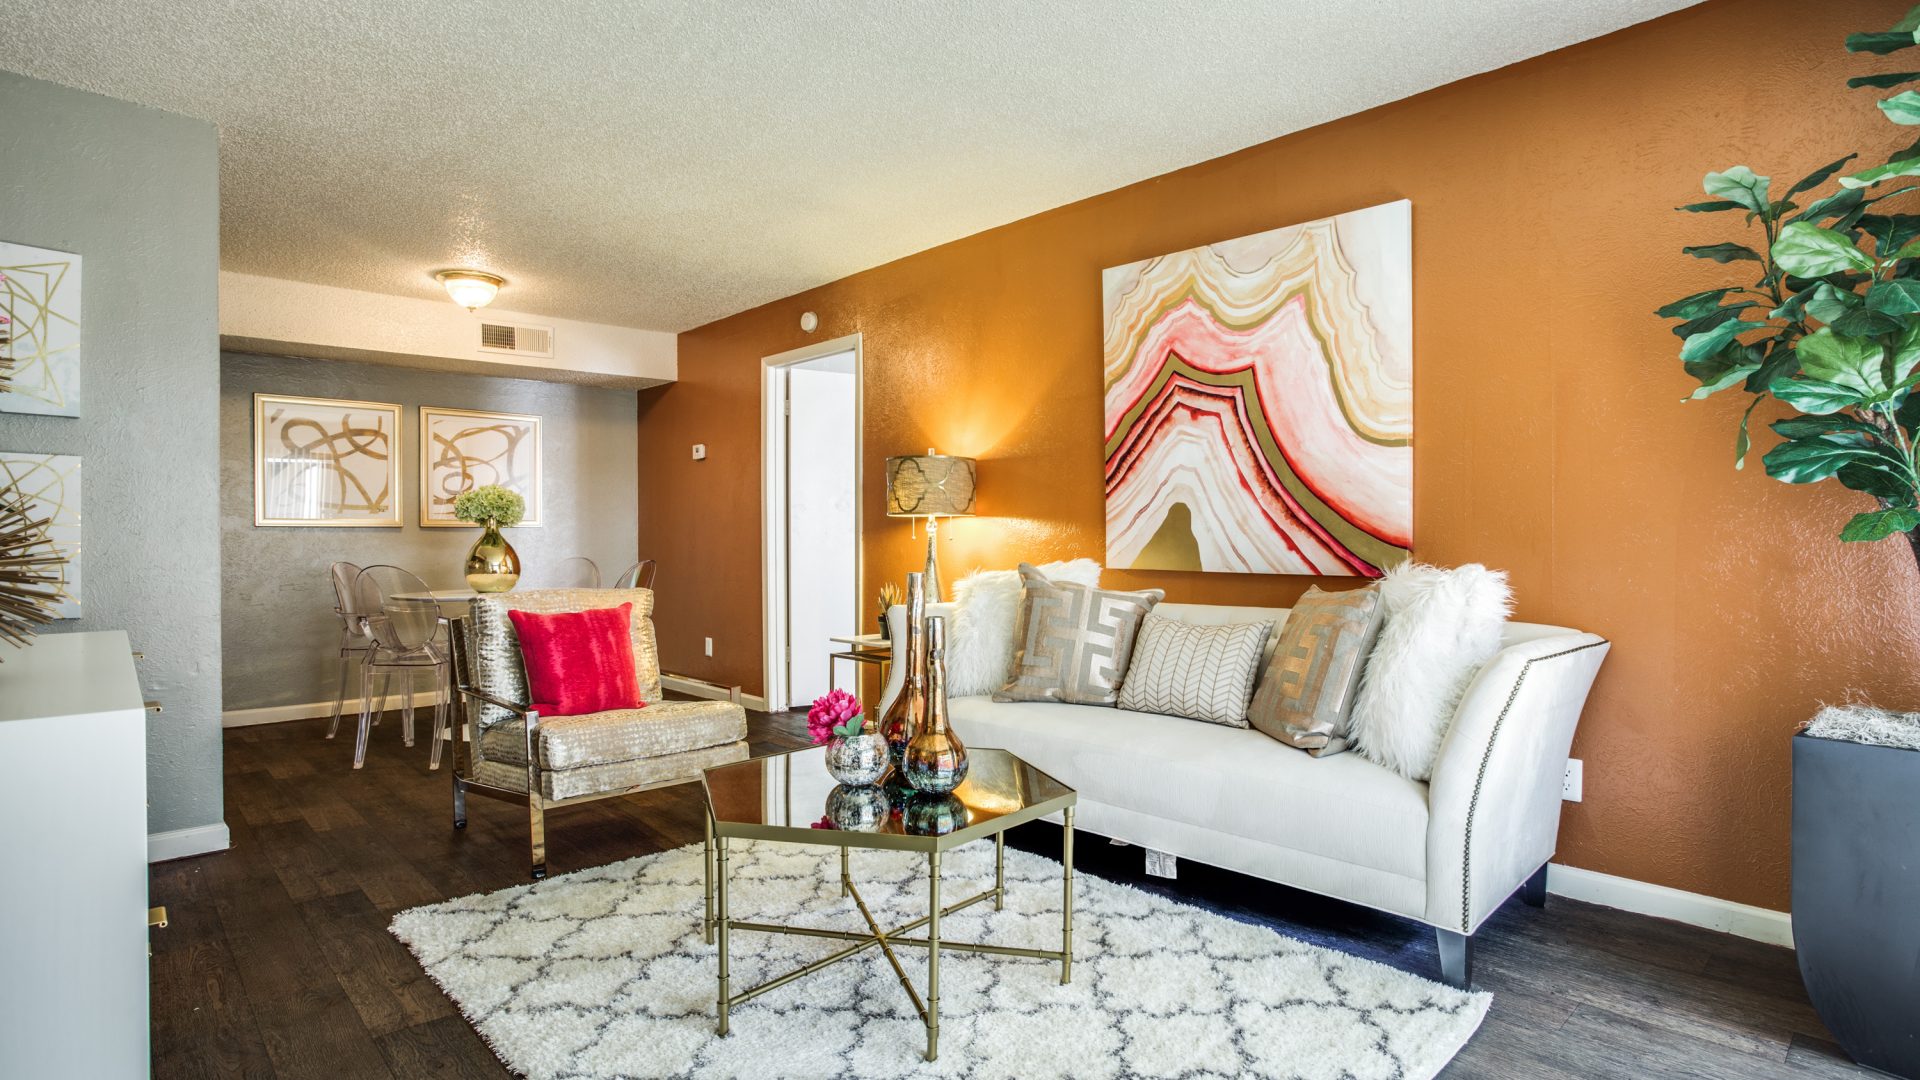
(135,192)
(276,612)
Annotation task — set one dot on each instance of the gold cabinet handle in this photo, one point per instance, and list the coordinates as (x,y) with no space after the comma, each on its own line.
(153,706)
(157,916)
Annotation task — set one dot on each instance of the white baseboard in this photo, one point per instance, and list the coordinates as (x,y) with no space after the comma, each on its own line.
(277,714)
(702,689)
(1694,909)
(180,843)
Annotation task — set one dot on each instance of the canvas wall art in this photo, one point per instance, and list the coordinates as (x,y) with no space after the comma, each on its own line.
(325,462)
(51,483)
(461,450)
(1259,401)
(40,340)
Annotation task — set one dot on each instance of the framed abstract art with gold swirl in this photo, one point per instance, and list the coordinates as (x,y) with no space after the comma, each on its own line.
(325,462)
(461,450)
(1259,401)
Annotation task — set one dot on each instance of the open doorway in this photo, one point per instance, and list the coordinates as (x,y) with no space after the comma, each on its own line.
(812,516)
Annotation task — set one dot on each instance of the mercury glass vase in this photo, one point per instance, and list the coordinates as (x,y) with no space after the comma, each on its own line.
(857,760)
(492,564)
(857,809)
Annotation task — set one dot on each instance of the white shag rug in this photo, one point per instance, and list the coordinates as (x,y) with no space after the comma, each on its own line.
(604,973)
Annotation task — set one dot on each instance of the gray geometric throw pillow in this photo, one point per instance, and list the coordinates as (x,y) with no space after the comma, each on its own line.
(1201,672)
(1075,642)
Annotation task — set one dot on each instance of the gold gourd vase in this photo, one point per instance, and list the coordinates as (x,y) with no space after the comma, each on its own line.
(936,762)
(492,564)
(905,715)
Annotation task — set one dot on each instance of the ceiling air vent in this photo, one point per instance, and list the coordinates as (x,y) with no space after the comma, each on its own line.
(519,340)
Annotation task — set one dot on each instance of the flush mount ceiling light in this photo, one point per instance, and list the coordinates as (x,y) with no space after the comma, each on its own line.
(471,289)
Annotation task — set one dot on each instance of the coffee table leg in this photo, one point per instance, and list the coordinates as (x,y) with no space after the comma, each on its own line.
(844,879)
(1000,871)
(933,956)
(706,865)
(1066,905)
(720,888)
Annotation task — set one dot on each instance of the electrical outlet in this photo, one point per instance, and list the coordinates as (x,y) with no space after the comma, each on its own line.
(1162,864)
(709,646)
(1570,785)
(699,451)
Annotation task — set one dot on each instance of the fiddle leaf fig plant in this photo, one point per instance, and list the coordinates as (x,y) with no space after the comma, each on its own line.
(1831,327)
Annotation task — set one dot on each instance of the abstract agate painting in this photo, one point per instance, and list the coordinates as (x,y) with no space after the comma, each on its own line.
(1259,401)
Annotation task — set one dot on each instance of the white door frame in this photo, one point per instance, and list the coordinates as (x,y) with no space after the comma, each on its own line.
(773,500)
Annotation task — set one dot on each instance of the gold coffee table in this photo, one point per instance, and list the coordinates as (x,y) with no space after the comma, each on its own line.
(784,796)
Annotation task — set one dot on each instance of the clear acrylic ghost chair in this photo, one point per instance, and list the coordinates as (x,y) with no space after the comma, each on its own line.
(352,606)
(577,572)
(638,576)
(409,635)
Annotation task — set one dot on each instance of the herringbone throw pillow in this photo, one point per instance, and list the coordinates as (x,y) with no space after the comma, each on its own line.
(1196,671)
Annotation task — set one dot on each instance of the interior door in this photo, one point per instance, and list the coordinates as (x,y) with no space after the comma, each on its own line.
(822,539)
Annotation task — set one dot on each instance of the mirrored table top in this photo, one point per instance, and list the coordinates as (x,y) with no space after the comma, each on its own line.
(792,797)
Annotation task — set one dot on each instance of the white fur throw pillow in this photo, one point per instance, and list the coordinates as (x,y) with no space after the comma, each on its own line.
(1441,626)
(981,632)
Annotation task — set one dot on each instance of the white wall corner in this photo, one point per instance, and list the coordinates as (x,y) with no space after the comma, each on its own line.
(1694,909)
(276,317)
(181,843)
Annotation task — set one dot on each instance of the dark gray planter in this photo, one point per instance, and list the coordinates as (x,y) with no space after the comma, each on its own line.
(1856,896)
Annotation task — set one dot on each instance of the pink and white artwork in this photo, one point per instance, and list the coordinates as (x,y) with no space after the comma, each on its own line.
(1259,401)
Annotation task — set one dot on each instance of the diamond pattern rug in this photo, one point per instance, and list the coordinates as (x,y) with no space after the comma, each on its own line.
(604,973)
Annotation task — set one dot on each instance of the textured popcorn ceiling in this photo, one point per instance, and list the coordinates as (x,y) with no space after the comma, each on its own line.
(661,165)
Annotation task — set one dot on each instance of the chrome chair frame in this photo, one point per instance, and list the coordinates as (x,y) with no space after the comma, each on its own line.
(464,721)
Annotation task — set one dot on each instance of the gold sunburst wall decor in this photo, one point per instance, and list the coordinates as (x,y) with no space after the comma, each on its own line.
(30,569)
(46,488)
(40,298)
(1259,401)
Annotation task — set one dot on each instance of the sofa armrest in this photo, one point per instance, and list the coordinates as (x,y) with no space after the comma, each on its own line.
(1494,798)
(897,671)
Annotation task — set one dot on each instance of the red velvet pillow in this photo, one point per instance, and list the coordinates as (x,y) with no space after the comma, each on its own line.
(579,662)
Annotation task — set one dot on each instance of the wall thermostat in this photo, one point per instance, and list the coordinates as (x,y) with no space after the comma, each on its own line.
(809,321)
(699,451)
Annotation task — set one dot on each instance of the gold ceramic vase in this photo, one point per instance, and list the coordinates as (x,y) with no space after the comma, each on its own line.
(936,763)
(492,564)
(904,716)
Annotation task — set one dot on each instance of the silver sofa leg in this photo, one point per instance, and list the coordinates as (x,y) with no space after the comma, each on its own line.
(459,802)
(1456,958)
(537,819)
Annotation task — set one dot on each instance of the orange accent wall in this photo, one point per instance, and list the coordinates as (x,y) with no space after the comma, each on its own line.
(1550,437)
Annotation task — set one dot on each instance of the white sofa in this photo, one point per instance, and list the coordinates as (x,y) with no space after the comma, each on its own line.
(1447,852)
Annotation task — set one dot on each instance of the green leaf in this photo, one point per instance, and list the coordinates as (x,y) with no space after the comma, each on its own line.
(1880,524)
(1743,442)
(852,727)
(1840,202)
(1901,296)
(1842,360)
(1882,42)
(1778,361)
(1739,185)
(1800,427)
(1712,342)
(1737,373)
(1890,231)
(1906,352)
(1902,108)
(1875,480)
(1806,461)
(1910,22)
(1807,250)
(1865,323)
(1819,176)
(1815,396)
(1710,207)
(1907,167)
(1716,317)
(1829,304)
(1882,81)
(1723,253)
(1692,307)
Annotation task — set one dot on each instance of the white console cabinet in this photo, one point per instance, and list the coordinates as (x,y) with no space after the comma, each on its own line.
(73,859)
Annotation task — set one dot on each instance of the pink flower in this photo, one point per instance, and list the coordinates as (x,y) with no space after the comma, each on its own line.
(837,709)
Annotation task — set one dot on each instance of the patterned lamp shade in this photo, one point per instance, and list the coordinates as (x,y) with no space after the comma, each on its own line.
(930,485)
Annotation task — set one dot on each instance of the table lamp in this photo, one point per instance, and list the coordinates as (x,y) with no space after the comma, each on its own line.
(931,486)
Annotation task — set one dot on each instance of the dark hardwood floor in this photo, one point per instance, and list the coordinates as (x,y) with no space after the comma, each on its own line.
(278,962)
